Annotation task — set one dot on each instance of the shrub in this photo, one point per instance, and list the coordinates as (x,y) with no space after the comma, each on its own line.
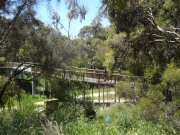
(67,112)
(137,68)
(152,103)
(24,120)
(171,77)
(89,108)
(123,120)
(154,74)
(125,90)
(12,92)
(52,128)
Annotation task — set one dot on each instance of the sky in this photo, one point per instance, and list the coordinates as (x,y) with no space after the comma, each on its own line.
(92,10)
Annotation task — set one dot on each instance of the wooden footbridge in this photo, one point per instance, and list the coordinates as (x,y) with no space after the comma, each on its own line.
(90,76)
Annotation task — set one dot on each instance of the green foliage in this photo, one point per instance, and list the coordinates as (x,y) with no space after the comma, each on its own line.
(52,128)
(147,107)
(171,74)
(68,120)
(24,53)
(90,111)
(123,89)
(108,57)
(128,90)
(86,32)
(31,99)
(145,23)
(2,59)
(67,113)
(13,92)
(64,90)
(123,120)
(79,62)
(171,77)
(161,102)
(154,74)
(23,120)
(83,126)
(137,68)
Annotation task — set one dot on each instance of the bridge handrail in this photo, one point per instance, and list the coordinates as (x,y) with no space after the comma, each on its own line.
(81,72)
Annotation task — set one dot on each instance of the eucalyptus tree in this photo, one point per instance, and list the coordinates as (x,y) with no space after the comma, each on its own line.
(151,42)
(91,37)
(151,28)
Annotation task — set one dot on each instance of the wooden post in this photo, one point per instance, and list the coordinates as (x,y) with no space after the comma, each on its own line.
(74,97)
(84,95)
(33,85)
(83,75)
(99,95)
(92,94)
(98,78)
(103,94)
(107,94)
(114,95)
(94,74)
(64,76)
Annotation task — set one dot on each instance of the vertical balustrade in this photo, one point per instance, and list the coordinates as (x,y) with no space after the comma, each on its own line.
(92,93)
(103,94)
(99,95)
(114,95)
(33,84)
(84,95)
(107,94)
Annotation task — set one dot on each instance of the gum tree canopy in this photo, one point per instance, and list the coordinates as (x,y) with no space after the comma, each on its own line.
(152,27)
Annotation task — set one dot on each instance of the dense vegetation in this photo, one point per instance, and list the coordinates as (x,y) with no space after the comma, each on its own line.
(124,119)
(143,39)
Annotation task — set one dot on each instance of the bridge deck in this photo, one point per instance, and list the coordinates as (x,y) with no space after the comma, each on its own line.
(91,76)
(79,74)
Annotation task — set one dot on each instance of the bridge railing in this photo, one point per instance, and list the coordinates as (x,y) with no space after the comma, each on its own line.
(80,74)
(90,75)
(28,66)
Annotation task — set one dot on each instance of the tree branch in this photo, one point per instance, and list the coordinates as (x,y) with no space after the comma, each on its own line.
(175,37)
(13,75)
(6,31)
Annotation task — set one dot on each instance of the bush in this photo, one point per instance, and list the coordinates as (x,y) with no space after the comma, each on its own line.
(12,92)
(89,108)
(52,128)
(24,120)
(137,68)
(152,103)
(125,90)
(123,120)
(67,112)
(154,74)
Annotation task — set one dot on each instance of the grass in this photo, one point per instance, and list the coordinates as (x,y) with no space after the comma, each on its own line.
(26,99)
(24,120)
(123,121)
(69,120)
